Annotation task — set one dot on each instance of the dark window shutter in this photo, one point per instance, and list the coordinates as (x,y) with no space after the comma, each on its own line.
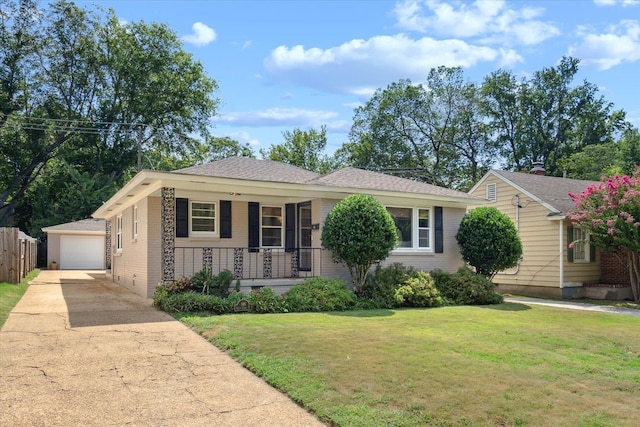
(592,250)
(569,242)
(182,217)
(254,227)
(290,227)
(225,219)
(439,230)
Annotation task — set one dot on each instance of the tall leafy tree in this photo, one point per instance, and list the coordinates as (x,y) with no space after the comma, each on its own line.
(546,117)
(432,133)
(94,92)
(302,148)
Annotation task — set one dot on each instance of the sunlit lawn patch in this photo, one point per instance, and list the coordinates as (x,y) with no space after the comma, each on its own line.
(496,365)
(11,293)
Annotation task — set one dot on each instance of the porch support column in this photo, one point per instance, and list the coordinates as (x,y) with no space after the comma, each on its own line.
(168,233)
(107,245)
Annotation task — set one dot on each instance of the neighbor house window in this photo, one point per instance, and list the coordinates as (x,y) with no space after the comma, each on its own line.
(135,221)
(581,249)
(491,192)
(119,233)
(413,226)
(271,226)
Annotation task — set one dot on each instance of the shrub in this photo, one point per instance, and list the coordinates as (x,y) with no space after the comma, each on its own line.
(319,294)
(489,241)
(182,284)
(359,232)
(190,302)
(466,288)
(380,287)
(419,291)
(265,300)
(160,295)
(206,282)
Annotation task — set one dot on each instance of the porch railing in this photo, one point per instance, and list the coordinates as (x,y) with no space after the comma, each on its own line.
(246,263)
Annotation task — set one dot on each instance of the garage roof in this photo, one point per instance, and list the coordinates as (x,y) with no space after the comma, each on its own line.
(84,226)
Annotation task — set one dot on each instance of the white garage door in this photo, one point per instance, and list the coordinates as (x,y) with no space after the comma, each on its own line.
(82,252)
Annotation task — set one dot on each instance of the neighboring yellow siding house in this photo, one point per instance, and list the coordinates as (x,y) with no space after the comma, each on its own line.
(537,204)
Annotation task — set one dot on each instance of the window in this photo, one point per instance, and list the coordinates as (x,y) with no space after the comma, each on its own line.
(413,226)
(271,226)
(203,218)
(491,192)
(581,249)
(135,221)
(119,233)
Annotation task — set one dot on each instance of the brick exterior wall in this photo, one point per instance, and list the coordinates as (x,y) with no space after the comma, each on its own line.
(613,268)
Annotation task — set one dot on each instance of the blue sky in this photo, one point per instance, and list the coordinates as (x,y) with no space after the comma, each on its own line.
(292,64)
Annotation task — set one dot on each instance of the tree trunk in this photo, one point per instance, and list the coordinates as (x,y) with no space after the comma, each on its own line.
(634,274)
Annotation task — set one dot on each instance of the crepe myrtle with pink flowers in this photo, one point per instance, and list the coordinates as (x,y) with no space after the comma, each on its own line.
(610,213)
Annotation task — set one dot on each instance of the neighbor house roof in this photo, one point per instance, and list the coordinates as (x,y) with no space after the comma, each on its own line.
(251,169)
(89,225)
(551,191)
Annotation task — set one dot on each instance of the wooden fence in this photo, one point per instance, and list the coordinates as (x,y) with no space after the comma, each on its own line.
(18,255)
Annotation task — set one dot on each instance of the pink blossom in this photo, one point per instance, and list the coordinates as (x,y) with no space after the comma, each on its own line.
(571,245)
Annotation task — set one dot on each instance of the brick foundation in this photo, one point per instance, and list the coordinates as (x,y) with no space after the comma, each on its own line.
(614,268)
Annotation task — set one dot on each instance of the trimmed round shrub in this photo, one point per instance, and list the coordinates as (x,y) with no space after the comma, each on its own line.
(489,241)
(419,291)
(319,294)
(359,232)
(466,288)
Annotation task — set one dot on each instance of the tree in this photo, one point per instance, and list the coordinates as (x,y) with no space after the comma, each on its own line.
(545,118)
(91,91)
(433,133)
(304,149)
(359,232)
(610,213)
(489,241)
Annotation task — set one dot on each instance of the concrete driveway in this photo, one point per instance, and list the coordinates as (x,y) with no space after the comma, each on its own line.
(78,350)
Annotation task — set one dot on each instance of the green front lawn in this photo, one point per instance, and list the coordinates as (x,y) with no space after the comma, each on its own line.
(502,365)
(11,293)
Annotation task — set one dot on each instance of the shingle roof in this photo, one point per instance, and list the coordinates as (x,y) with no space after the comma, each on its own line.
(272,171)
(89,224)
(363,179)
(552,190)
(251,169)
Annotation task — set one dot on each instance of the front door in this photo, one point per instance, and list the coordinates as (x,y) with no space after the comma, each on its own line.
(304,236)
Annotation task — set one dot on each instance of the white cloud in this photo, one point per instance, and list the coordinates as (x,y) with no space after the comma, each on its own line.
(491,20)
(606,50)
(277,117)
(359,66)
(617,2)
(242,137)
(201,36)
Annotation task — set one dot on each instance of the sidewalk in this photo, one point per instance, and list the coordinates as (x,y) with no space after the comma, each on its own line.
(79,350)
(574,305)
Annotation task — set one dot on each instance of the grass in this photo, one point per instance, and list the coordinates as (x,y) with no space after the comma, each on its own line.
(505,365)
(10,294)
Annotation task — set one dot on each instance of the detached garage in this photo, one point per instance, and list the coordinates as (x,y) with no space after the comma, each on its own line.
(78,245)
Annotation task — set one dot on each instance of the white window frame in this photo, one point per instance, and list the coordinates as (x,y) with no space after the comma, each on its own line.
(119,233)
(135,222)
(415,229)
(581,246)
(262,227)
(216,219)
(491,192)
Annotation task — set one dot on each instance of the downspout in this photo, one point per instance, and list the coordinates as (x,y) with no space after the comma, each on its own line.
(515,201)
(561,247)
